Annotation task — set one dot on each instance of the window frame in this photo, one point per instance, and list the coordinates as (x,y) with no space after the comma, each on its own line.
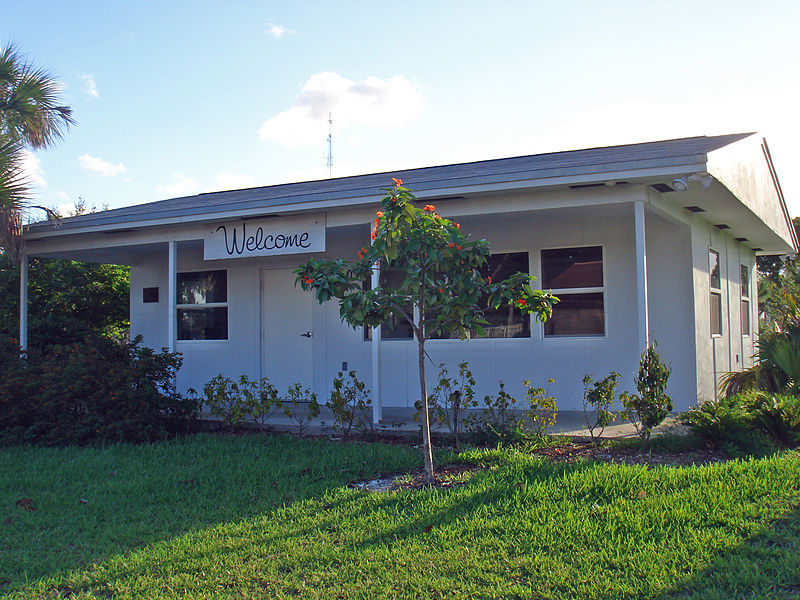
(712,292)
(746,306)
(207,305)
(558,292)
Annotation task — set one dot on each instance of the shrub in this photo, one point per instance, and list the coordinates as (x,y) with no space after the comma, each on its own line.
(450,400)
(221,397)
(753,422)
(651,405)
(236,401)
(301,406)
(504,420)
(349,402)
(598,400)
(542,410)
(99,390)
(730,424)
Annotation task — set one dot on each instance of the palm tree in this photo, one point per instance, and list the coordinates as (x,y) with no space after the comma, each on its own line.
(31,118)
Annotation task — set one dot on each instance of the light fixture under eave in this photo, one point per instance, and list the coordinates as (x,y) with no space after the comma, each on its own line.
(680,184)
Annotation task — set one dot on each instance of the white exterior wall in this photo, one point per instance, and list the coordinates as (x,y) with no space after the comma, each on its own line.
(509,360)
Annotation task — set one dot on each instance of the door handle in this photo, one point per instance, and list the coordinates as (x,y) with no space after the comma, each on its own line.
(306,334)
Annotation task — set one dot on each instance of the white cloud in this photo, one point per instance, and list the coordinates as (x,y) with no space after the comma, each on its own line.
(89,85)
(277,31)
(66,209)
(32,169)
(372,102)
(100,166)
(180,186)
(232,181)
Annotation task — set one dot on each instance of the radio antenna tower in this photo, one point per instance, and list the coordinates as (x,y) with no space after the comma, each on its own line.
(330,145)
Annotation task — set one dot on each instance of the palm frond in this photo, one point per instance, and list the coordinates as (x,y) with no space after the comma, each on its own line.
(14,186)
(30,108)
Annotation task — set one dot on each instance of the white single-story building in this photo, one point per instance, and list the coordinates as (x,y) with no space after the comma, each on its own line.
(652,241)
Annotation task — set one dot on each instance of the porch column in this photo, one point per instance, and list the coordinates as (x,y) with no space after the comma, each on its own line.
(23,302)
(172,295)
(641,275)
(377,400)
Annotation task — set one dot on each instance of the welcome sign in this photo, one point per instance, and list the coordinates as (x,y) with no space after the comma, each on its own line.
(265,237)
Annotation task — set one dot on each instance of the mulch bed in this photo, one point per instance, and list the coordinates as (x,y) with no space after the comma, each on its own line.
(569,452)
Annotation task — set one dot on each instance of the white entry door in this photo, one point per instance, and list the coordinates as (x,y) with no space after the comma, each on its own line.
(286,335)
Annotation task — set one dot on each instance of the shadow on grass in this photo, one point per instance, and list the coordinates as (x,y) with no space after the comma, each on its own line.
(765,566)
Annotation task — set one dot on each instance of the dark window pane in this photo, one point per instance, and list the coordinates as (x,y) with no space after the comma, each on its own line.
(713,269)
(203,287)
(577,314)
(745,281)
(565,268)
(203,324)
(716,314)
(150,294)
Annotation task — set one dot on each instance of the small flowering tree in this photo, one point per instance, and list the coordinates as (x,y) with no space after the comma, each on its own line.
(443,291)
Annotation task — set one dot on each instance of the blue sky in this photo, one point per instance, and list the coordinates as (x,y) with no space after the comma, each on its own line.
(176,98)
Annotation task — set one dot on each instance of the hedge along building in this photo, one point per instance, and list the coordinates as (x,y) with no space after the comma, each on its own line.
(654,241)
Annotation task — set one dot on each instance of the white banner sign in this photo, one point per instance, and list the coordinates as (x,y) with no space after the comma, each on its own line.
(265,237)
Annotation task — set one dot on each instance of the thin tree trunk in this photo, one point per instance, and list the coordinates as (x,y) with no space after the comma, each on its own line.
(427,452)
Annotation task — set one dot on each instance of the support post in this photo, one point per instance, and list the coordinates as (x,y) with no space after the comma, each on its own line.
(172,294)
(23,303)
(641,275)
(377,400)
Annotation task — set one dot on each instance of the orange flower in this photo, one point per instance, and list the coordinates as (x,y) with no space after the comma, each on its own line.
(397,182)
(458,225)
(379,213)
(451,245)
(522,302)
(362,252)
(458,247)
(441,290)
(429,208)
(308,280)
(489,279)
(373,235)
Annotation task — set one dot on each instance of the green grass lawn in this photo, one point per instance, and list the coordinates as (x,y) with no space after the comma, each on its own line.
(271,517)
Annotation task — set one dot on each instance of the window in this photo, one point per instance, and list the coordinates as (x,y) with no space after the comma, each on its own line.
(715,283)
(504,322)
(575,275)
(745,295)
(203,305)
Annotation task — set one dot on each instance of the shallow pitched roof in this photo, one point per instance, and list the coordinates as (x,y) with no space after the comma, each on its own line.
(427,180)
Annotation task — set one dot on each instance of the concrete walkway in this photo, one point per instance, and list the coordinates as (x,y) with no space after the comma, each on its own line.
(401,421)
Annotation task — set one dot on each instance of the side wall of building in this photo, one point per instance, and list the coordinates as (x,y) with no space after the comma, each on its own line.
(733,347)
